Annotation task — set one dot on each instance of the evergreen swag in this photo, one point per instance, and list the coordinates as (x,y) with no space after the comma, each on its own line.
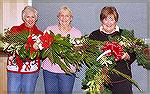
(65,51)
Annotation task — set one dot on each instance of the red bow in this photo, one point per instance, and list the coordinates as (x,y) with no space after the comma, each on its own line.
(116,50)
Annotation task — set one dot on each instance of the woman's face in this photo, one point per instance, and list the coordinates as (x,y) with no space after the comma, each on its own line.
(109,23)
(30,19)
(64,18)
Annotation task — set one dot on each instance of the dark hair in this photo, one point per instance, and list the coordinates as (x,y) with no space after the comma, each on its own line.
(109,10)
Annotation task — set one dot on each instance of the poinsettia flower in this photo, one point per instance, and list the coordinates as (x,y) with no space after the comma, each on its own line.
(46,40)
(29,45)
(116,50)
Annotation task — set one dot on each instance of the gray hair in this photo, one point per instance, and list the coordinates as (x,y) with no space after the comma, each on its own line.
(29,9)
(65,8)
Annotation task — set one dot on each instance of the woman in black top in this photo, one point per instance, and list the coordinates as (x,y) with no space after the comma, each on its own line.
(109,18)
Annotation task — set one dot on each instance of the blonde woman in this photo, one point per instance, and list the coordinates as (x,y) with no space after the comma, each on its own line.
(55,79)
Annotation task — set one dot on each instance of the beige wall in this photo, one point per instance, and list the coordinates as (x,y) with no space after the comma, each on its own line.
(3,79)
(12,12)
(11,15)
(1,17)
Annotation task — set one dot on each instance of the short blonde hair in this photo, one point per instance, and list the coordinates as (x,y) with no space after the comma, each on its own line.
(65,8)
(29,9)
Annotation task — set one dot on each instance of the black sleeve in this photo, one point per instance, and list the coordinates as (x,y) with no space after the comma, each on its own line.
(132,57)
(91,36)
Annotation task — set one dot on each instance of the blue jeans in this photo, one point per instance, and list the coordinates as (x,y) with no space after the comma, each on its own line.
(21,83)
(58,83)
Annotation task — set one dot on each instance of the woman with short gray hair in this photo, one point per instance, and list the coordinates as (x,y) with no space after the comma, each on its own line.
(22,74)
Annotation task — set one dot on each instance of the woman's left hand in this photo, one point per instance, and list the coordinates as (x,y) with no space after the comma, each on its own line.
(126,56)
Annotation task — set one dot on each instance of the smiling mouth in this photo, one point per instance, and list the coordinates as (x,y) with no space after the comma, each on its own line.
(108,25)
(31,23)
(64,21)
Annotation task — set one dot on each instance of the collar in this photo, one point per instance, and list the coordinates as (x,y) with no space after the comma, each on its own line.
(32,30)
(27,28)
(116,29)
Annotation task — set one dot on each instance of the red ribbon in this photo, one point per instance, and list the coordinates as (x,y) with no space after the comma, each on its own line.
(116,50)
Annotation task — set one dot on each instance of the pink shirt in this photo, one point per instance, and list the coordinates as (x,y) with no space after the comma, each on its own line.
(47,65)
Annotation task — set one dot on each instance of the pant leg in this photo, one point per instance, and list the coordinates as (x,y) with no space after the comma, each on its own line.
(13,83)
(66,83)
(50,82)
(29,82)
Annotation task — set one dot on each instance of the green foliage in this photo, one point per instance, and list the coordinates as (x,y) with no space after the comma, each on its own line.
(19,38)
(65,53)
(61,53)
(14,43)
(143,60)
(130,44)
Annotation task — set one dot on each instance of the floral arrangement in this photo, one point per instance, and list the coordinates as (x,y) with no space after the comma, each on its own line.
(20,43)
(30,46)
(99,56)
(60,51)
(107,53)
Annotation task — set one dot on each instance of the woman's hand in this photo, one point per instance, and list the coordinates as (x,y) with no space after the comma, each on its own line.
(126,56)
